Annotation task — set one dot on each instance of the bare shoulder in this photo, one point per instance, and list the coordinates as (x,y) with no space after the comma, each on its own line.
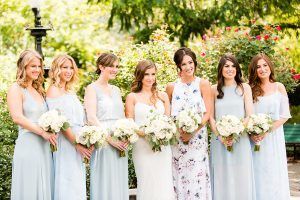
(246,86)
(163,95)
(281,88)
(214,88)
(14,88)
(130,97)
(204,82)
(53,92)
(170,86)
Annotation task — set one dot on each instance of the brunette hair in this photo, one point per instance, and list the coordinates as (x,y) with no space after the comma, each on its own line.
(180,53)
(238,77)
(55,71)
(139,74)
(24,59)
(105,60)
(254,80)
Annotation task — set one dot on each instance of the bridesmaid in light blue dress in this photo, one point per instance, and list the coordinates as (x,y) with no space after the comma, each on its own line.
(103,103)
(32,171)
(231,172)
(70,175)
(270,163)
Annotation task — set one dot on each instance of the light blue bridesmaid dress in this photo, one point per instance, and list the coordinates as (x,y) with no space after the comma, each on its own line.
(69,169)
(270,163)
(109,171)
(231,172)
(32,171)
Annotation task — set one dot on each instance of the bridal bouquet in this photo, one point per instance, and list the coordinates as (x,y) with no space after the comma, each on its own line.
(259,124)
(125,130)
(230,127)
(91,135)
(188,120)
(52,121)
(159,130)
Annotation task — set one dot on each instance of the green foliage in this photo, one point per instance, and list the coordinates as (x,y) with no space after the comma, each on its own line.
(8,132)
(295,112)
(159,49)
(186,18)
(244,43)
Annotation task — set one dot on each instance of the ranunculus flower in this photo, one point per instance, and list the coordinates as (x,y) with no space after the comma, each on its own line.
(278,28)
(228,28)
(258,37)
(267,36)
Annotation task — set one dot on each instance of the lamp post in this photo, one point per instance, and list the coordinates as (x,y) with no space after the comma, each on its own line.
(38,31)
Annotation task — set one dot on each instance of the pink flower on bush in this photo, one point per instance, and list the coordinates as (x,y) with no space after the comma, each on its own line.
(204,37)
(296,77)
(258,37)
(203,54)
(228,28)
(278,28)
(287,48)
(236,29)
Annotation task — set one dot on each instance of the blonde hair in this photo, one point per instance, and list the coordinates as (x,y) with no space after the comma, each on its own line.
(24,59)
(55,71)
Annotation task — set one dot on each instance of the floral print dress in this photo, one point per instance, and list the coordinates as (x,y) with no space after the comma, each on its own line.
(190,161)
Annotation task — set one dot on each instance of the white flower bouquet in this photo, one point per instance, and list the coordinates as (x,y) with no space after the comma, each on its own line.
(159,130)
(230,127)
(188,120)
(53,121)
(125,130)
(259,124)
(91,135)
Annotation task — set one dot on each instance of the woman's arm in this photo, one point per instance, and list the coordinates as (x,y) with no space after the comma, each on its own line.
(165,98)
(90,104)
(248,102)
(284,111)
(15,106)
(169,90)
(207,97)
(212,120)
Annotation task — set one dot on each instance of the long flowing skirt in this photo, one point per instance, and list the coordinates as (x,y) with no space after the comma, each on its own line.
(109,173)
(32,173)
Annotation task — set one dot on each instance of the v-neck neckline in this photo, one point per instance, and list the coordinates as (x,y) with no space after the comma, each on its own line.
(36,101)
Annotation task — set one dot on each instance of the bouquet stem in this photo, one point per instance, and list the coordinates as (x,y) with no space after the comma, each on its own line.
(85,161)
(257,147)
(122,153)
(229,148)
(53,148)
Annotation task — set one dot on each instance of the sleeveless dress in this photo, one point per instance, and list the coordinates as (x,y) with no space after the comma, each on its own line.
(270,163)
(190,162)
(153,169)
(109,171)
(32,168)
(69,169)
(231,172)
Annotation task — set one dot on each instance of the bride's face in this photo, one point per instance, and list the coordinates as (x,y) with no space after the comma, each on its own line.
(149,77)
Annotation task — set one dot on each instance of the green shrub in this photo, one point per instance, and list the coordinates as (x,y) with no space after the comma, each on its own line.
(295,112)
(8,132)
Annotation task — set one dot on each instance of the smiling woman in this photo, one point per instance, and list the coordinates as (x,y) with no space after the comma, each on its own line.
(32,161)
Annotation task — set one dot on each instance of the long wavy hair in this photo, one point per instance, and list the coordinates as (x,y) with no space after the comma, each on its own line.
(24,59)
(254,80)
(139,74)
(238,77)
(180,53)
(55,71)
(105,60)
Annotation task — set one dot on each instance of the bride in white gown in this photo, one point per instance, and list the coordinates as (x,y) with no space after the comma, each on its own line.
(153,169)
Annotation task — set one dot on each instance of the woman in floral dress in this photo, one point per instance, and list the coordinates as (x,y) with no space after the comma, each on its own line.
(190,156)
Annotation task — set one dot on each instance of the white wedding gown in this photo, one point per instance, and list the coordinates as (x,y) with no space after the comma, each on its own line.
(153,169)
